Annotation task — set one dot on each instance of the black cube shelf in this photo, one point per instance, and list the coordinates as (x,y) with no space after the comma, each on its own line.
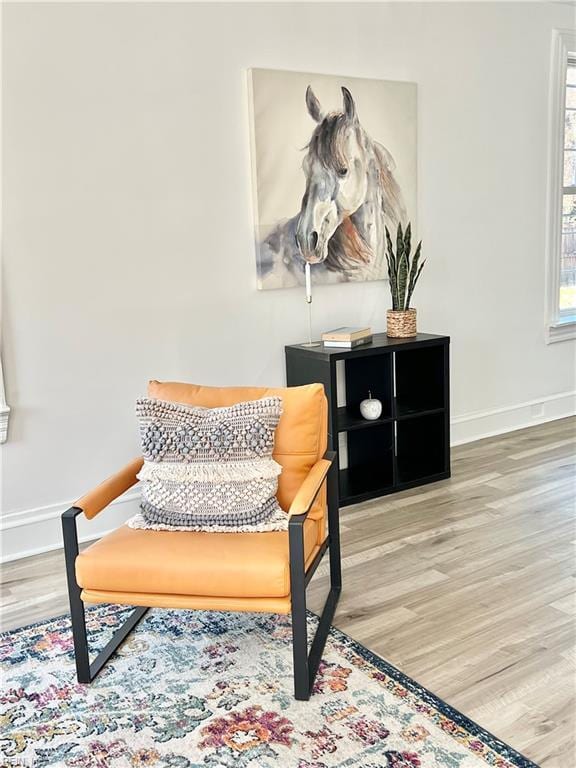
(409,445)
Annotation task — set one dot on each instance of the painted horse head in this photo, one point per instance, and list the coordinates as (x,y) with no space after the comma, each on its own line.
(336,176)
(350,191)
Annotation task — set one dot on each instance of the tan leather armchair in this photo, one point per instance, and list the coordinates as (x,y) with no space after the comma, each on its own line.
(219,571)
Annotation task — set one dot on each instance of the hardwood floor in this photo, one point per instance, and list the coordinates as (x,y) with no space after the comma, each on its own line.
(467,585)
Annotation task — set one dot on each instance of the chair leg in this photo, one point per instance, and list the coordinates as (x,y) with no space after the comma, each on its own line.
(334,526)
(298,600)
(86,671)
(306,664)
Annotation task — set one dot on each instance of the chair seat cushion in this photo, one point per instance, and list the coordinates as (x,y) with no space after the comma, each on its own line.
(192,563)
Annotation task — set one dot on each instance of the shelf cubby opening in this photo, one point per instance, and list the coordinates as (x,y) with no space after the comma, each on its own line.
(420,378)
(370,455)
(421,448)
(366,376)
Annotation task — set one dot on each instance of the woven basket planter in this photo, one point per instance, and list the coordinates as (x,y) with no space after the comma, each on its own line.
(401,324)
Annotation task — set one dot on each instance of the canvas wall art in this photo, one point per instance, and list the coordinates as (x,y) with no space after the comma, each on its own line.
(333,162)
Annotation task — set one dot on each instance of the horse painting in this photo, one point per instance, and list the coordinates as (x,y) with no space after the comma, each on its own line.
(350,194)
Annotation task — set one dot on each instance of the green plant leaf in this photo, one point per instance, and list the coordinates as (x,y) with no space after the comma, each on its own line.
(399,241)
(400,283)
(415,260)
(413,273)
(408,241)
(392,276)
(390,250)
(413,283)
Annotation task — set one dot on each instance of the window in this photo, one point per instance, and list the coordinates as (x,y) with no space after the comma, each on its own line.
(562,191)
(567,292)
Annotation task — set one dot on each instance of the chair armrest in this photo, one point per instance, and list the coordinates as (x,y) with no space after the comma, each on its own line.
(95,500)
(311,486)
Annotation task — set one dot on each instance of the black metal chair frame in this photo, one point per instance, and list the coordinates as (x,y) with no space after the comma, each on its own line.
(305,662)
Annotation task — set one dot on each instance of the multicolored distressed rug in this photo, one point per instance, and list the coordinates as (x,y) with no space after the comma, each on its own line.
(196,690)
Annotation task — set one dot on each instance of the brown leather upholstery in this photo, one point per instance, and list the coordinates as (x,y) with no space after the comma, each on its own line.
(224,571)
(309,488)
(195,602)
(95,500)
(187,563)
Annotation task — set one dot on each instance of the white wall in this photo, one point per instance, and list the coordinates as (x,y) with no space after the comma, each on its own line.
(128,246)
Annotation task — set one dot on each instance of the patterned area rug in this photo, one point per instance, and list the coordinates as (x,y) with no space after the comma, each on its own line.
(195,690)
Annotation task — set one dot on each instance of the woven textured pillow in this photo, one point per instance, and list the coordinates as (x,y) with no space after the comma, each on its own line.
(209,469)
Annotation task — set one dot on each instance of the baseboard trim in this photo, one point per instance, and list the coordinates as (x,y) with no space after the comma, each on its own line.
(478,425)
(20,530)
(42,524)
(93,536)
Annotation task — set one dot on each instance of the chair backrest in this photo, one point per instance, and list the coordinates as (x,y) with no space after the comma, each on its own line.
(301,435)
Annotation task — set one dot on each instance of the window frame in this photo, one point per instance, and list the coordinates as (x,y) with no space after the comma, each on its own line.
(560,326)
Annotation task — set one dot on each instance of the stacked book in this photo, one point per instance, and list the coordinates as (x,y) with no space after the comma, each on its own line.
(347,337)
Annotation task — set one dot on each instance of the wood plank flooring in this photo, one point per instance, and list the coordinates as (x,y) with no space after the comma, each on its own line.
(468,586)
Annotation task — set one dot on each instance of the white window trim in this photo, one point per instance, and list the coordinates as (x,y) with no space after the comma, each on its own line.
(558,328)
(4,408)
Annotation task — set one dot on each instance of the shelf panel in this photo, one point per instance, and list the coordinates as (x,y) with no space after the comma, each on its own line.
(348,421)
(388,490)
(381,343)
(418,471)
(403,485)
(411,412)
(364,481)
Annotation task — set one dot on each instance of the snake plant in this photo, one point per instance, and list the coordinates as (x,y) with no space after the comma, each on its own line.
(403,271)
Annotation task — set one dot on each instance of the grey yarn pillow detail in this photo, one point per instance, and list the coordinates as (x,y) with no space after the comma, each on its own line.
(268,518)
(190,433)
(204,500)
(209,469)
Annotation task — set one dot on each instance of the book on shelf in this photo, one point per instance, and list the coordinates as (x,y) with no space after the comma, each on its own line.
(349,344)
(347,334)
